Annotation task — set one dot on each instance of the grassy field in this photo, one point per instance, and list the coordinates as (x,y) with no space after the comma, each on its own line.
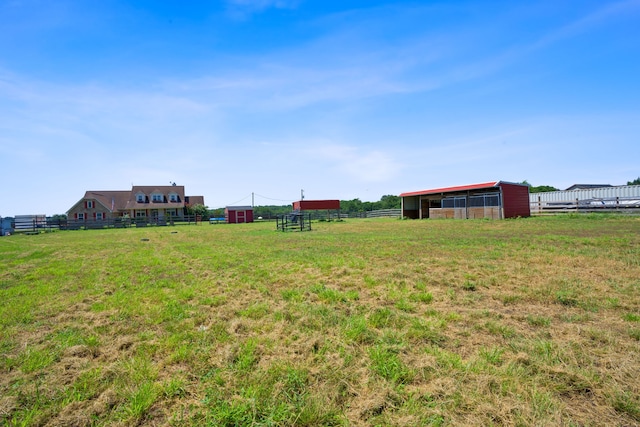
(357,323)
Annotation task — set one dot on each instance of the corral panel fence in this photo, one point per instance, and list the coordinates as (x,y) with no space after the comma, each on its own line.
(126,222)
(603,205)
(294,221)
(621,199)
(333,215)
(29,223)
(38,223)
(381,213)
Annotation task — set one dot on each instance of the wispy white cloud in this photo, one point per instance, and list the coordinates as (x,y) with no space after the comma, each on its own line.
(602,15)
(90,110)
(282,82)
(361,164)
(503,58)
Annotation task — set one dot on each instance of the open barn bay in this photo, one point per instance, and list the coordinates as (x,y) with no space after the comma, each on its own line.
(356,323)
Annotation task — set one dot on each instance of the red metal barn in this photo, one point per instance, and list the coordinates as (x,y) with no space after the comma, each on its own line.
(318,205)
(238,214)
(495,200)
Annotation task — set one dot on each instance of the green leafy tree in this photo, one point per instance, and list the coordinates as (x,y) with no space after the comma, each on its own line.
(354,205)
(197,209)
(271,211)
(539,188)
(634,182)
(216,213)
(542,189)
(390,202)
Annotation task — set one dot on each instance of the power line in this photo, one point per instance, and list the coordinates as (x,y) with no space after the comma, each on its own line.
(269,198)
(241,200)
(255,194)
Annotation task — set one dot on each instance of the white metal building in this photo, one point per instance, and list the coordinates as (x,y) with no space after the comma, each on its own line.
(614,197)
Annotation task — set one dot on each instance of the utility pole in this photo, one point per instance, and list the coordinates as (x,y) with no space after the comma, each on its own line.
(252,204)
(301,194)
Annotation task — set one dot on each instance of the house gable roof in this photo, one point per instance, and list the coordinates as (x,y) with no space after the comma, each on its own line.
(110,200)
(147,190)
(194,200)
(114,201)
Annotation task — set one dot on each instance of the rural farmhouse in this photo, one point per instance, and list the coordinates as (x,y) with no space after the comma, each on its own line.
(155,203)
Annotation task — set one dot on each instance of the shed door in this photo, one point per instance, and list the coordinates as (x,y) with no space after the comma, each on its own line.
(240,217)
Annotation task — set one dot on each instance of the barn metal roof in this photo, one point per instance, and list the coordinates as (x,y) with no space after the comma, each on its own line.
(452,189)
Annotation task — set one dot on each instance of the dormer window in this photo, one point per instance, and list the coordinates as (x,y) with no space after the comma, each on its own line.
(173,197)
(140,198)
(156,197)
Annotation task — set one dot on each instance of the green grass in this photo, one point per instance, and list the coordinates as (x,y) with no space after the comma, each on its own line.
(362,322)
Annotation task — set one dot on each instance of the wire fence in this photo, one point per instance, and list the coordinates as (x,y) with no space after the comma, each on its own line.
(621,205)
(33,224)
(30,224)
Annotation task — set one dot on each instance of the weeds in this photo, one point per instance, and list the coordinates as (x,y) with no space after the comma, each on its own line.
(386,363)
(366,322)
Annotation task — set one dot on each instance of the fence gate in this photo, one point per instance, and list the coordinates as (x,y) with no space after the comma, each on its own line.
(294,221)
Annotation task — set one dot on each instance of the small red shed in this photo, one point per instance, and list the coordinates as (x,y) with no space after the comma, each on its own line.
(238,214)
(495,200)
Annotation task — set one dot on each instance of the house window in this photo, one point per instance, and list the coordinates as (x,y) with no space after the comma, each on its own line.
(99,216)
(140,198)
(157,197)
(172,212)
(90,204)
(173,197)
(141,213)
(81,216)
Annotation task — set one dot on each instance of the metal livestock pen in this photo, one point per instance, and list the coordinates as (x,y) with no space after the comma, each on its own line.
(621,198)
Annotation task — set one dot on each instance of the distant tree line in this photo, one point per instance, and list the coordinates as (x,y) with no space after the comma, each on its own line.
(539,188)
(346,206)
(356,205)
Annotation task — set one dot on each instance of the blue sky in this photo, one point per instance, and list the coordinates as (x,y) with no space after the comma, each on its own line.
(344,99)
